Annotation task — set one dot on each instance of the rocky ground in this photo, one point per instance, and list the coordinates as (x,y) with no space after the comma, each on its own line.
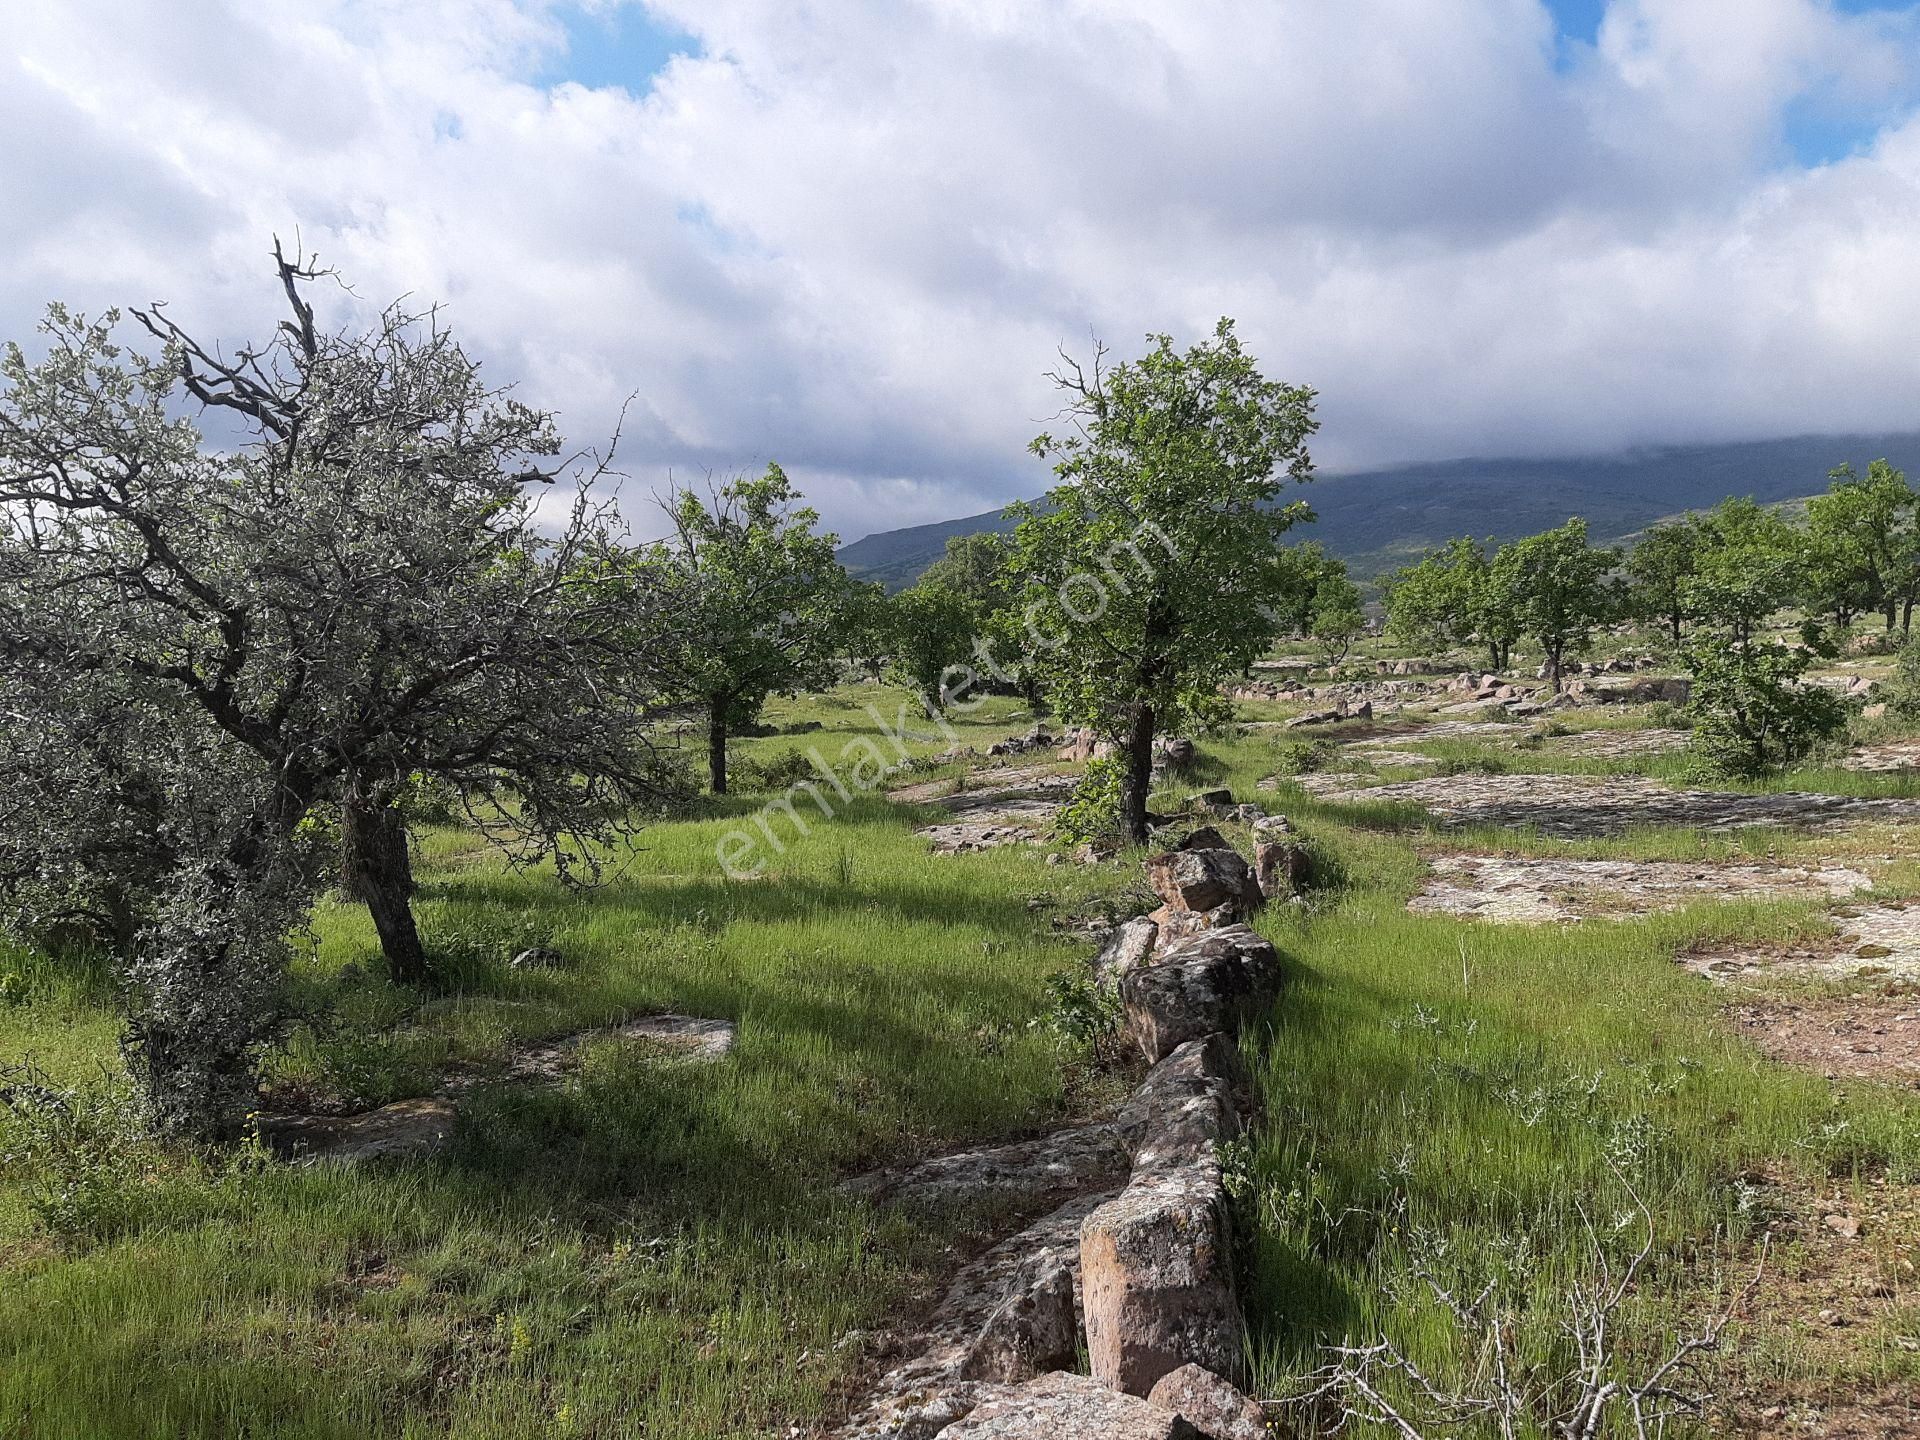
(1543,891)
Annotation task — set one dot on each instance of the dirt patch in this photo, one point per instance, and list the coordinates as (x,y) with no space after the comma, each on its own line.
(1538,892)
(1840,1284)
(1870,941)
(1578,807)
(1864,1037)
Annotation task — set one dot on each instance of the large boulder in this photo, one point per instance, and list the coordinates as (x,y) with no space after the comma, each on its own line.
(1203,880)
(1061,1406)
(1212,981)
(1211,1405)
(1156,1279)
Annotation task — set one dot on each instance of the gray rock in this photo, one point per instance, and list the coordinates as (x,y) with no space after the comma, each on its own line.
(1212,981)
(1131,946)
(1069,1407)
(1215,800)
(1211,1405)
(1187,1105)
(1034,1330)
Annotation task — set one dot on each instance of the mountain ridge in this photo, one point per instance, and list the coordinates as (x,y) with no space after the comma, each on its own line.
(1379,519)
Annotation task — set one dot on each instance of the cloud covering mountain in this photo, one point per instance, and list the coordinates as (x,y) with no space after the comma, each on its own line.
(850,234)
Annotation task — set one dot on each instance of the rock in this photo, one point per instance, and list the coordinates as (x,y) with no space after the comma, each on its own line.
(1034,1330)
(540,957)
(1187,1105)
(1212,981)
(1212,1406)
(406,1129)
(1875,711)
(1079,747)
(1313,717)
(1156,1277)
(1245,814)
(1363,712)
(1177,750)
(1272,825)
(1215,800)
(1205,838)
(1130,947)
(1197,880)
(1061,1406)
(1281,868)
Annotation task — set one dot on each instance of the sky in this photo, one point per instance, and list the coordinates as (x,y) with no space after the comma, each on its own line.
(851,235)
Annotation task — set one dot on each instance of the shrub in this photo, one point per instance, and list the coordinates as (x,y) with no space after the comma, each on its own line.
(1301,757)
(1092,814)
(1751,712)
(1901,690)
(1472,765)
(80,1151)
(776,771)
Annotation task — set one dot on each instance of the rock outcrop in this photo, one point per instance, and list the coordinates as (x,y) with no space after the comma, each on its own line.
(1212,981)
(1211,1405)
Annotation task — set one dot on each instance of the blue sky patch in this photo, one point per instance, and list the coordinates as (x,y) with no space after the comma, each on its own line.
(620,45)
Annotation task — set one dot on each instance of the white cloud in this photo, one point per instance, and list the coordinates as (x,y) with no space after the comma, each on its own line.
(852,232)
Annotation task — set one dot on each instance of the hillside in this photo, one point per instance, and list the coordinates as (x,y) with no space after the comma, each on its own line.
(1378,519)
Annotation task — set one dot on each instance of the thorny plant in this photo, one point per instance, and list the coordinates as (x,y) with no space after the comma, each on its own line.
(1380,1386)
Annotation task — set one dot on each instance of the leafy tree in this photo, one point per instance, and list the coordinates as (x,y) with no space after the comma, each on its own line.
(933,634)
(1336,619)
(1746,567)
(1150,578)
(866,627)
(758,601)
(1864,528)
(1658,567)
(1307,566)
(1556,585)
(978,569)
(1751,710)
(348,592)
(1451,597)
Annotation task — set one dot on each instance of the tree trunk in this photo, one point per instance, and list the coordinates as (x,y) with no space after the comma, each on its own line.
(1673,621)
(1906,616)
(379,871)
(1892,616)
(1138,779)
(1553,667)
(717,746)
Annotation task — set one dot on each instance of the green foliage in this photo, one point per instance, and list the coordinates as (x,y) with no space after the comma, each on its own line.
(1092,814)
(1901,689)
(1554,587)
(1751,712)
(1450,598)
(1302,757)
(934,628)
(1863,544)
(1747,568)
(82,1149)
(1657,570)
(769,772)
(757,599)
(1335,620)
(1150,578)
(1079,1012)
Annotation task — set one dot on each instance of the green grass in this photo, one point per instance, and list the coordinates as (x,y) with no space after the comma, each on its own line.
(660,1249)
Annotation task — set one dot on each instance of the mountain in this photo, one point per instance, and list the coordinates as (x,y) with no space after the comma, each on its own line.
(1377,520)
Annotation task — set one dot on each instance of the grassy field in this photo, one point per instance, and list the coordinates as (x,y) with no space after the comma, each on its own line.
(658,1249)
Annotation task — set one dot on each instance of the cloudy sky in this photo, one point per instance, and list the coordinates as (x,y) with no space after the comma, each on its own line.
(849,234)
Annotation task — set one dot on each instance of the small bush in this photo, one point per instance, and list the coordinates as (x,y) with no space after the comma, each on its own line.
(1901,690)
(81,1151)
(1665,715)
(1751,712)
(1303,757)
(1472,765)
(1092,815)
(1079,1012)
(778,771)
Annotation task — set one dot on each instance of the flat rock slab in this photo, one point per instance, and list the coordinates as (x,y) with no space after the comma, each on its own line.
(411,1129)
(1539,892)
(999,807)
(965,837)
(1030,1170)
(1892,756)
(1578,807)
(1871,942)
(1070,1407)
(1872,1037)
